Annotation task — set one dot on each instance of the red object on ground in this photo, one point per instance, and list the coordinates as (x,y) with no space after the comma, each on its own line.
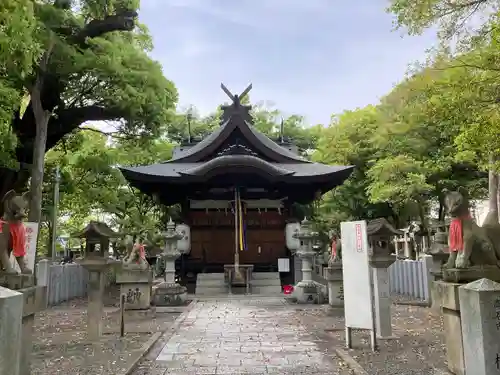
(287,289)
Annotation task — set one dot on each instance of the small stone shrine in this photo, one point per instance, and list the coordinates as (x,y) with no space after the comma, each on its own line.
(381,256)
(307,290)
(97,261)
(135,277)
(169,292)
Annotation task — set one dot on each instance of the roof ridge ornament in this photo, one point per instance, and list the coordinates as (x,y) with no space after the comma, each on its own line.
(235,97)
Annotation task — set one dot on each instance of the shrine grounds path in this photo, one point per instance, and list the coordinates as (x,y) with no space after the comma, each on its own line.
(246,335)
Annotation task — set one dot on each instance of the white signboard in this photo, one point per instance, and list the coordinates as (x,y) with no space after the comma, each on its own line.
(283,265)
(356,272)
(31,238)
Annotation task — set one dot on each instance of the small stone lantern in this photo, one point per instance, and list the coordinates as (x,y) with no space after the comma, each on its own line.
(97,262)
(307,290)
(381,256)
(169,292)
(439,251)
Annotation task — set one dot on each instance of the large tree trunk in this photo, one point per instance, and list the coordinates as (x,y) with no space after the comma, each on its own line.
(492,215)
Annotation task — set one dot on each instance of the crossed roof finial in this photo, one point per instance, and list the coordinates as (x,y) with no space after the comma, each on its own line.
(234,97)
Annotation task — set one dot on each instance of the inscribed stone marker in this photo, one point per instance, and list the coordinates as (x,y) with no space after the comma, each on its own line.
(480,316)
(11,315)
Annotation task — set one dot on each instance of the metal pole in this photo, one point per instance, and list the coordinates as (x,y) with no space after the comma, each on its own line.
(236,239)
(54,213)
(122,315)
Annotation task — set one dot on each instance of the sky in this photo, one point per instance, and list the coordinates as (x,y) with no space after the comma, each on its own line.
(308,57)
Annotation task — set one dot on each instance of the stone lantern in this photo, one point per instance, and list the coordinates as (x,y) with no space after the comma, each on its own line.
(97,262)
(439,251)
(381,256)
(169,292)
(307,290)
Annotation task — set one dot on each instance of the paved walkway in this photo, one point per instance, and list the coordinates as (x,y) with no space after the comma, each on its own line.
(243,336)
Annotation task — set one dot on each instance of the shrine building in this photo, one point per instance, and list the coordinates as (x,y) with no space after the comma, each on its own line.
(236,187)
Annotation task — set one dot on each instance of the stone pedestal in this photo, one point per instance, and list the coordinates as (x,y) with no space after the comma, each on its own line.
(450,306)
(438,260)
(16,282)
(135,284)
(11,315)
(333,274)
(97,267)
(242,277)
(467,275)
(480,306)
(169,295)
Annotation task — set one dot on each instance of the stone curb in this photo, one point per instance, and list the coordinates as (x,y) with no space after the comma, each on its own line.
(150,343)
(351,362)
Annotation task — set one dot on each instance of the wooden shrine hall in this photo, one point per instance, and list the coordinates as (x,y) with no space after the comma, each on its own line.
(236,187)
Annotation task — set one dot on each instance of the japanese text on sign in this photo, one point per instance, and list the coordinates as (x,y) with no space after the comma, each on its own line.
(359,239)
(497,313)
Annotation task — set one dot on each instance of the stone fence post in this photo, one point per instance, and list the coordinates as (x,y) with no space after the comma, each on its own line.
(42,280)
(11,315)
(480,307)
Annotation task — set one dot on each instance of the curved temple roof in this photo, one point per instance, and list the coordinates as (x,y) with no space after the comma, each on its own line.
(219,155)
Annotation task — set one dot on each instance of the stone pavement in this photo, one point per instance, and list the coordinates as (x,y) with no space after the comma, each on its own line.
(241,336)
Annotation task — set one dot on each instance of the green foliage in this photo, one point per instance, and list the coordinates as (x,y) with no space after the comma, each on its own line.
(450,17)
(19,49)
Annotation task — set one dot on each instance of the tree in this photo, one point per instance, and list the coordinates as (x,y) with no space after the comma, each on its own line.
(348,141)
(98,69)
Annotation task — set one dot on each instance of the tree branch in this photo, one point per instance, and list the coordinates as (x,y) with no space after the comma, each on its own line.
(123,21)
(70,119)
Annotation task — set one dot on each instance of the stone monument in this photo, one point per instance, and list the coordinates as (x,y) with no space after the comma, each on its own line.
(381,256)
(96,261)
(480,307)
(333,274)
(169,292)
(307,290)
(13,233)
(135,277)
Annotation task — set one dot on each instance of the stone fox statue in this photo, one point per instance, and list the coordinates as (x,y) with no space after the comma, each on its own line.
(136,254)
(469,244)
(13,232)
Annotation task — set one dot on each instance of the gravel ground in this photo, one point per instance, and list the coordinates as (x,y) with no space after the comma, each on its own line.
(61,347)
(418,349)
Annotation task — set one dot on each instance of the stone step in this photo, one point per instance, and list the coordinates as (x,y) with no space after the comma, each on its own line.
(265,275)
(210,276)
(266,282)
(267,290)
(210,291)
(210,282)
